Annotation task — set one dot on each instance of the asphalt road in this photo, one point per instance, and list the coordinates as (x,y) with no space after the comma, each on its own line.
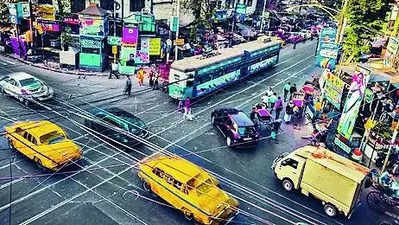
(104,189)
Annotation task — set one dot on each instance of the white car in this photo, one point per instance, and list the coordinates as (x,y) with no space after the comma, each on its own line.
(25,87)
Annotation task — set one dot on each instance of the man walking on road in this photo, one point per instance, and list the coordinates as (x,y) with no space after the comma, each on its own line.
(187,109)
(128,87)
(287,87)
(278,107)
(272,101)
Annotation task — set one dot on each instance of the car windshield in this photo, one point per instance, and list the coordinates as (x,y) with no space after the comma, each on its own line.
(204,187)
(28,82)
(52,138)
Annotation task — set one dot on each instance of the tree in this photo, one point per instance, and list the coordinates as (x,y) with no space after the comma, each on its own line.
(203,13)
(365,20)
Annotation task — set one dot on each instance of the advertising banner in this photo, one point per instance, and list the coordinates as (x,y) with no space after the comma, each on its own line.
(333,89)
(142,55)
(155,46)
(50,26)
(91,26)
(46,12)
(113,40)
(240,12)
(353,102)
(327,51)
(174,23)
(392,51)
(130,35)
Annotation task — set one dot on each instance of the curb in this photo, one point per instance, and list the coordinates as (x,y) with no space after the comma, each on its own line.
(76,73)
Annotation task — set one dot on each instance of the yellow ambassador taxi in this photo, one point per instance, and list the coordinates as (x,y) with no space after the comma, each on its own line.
(44,142)
(187,187)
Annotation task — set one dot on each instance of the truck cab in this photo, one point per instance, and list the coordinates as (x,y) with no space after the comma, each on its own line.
(289,169)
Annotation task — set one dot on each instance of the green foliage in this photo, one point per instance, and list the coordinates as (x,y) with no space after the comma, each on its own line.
(202,11)
(366,19)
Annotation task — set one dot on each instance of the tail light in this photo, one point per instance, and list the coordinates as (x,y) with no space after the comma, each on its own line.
(25,92)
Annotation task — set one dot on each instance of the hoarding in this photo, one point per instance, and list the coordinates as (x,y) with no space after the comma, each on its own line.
(174,23)
(142,55)
(327,51)
(333,89)
(91,26)
(130,35)
(155,46)
(353,102)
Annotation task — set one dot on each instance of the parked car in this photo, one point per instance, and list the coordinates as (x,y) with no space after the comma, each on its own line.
(188,188)
(235,126)
(25,87)
(43,142)
(115,123)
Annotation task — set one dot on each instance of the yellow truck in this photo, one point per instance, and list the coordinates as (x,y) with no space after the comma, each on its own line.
(327,176)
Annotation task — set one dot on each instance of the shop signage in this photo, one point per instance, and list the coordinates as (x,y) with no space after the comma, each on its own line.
(155,46)
(142,55)
(342,145)
(46,12)
(147,23)
(241,8)
(72,21)
(113,40)
(130,35)
(90,26)
(327,50)
(392,51)
(12,9)
(333,89)
(174,23)
(126,52)
(353,102)
(90,42)
(23,10)
(50,26)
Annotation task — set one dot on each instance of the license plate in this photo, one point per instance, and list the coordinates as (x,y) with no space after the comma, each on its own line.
(247,139)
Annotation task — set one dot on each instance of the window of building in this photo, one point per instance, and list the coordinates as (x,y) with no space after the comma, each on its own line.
(77,5)
(107,5)
(136,5)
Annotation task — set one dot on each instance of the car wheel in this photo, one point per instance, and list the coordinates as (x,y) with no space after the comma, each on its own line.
(330,210)
(38,163)
(228,141)
(10,145)
(188,214)
(288,185)
(146,187)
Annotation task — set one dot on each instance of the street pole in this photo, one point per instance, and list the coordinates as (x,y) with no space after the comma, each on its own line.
(395,133)
(177,31)
(114,15)
(342,23)
(31,23)
(263,15)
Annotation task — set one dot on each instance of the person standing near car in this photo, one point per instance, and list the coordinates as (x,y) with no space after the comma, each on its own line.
(253,116)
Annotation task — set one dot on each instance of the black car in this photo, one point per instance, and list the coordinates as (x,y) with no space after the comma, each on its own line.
(109,121)
(236,127)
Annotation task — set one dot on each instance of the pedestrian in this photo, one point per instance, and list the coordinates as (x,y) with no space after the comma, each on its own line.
(287,87)
(156,81)
(272,101)
(151,77)
(114,71)
(275,129)
(289,110)
(128,87)
(140,76)
(253,116)
(292,90)
(278,107)
(296,117)
(295,44)
(187,110)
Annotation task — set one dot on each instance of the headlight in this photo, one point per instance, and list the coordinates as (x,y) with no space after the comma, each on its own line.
(50,90)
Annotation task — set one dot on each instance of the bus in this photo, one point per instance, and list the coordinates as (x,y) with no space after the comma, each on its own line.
(196,76)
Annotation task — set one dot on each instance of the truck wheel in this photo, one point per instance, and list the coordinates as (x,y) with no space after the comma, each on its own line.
(330,210)
(288,185)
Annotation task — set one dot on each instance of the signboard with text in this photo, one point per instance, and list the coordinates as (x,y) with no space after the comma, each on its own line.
(333,89)
(155,46)
(142,55)
(328,50)
(174,23)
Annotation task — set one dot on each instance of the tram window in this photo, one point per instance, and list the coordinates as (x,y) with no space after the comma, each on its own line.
(189,83)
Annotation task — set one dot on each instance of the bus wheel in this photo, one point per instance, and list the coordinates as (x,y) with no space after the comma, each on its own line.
(330,210)
(288,185)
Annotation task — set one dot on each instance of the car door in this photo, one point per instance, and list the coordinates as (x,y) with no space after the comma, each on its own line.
(228,125)
(110,130)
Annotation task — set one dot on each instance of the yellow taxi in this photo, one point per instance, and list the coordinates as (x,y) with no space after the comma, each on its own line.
(187,187)
(44,142)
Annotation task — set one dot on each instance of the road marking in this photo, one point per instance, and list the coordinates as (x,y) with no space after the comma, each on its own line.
(3,63)
(12,63)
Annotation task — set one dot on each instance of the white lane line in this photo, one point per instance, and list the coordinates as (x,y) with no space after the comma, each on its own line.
(11,62)
(3,63)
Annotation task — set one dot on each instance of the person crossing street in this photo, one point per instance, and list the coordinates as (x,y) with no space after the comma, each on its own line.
(128,86)
(287,87)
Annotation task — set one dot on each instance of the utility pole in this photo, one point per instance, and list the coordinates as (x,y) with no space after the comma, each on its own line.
(342,23)
(395,133)
(31,23)
(263,15)
(177,31)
